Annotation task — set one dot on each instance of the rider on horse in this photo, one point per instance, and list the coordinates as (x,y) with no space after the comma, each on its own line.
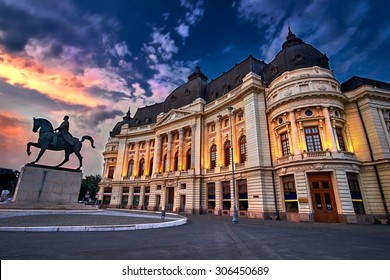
(63,130)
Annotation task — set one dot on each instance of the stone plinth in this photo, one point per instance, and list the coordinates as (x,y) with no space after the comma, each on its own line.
(47,187)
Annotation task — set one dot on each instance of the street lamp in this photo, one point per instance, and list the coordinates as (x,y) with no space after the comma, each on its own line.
(235,216)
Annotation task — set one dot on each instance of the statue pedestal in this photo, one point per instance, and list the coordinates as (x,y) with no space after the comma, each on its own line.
(44,187)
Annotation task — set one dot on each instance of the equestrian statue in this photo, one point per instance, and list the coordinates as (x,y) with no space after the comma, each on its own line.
(58,139)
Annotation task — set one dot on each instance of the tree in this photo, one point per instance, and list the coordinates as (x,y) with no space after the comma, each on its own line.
(89,185)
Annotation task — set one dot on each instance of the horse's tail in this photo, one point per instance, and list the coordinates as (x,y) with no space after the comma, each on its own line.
(86,137)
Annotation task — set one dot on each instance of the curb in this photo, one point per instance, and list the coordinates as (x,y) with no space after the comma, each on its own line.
(181,220)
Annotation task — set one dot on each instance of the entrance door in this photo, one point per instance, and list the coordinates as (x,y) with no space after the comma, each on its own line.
(322,195)
(182,203)
(170,199)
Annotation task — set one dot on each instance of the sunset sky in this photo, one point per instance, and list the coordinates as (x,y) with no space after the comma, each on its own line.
(92,60)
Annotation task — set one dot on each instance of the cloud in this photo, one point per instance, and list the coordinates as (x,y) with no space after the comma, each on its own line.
(339,29)
(91,118)
(194,13)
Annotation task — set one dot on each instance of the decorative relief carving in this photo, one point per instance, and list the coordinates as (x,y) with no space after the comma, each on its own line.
(386,116)
(288,92)
(318,166)
(321,87)
(355,167)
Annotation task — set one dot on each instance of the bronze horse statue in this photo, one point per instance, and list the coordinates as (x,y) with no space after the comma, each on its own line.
(45,142)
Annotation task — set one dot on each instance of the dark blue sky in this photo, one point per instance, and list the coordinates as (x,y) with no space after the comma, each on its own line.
(94,59)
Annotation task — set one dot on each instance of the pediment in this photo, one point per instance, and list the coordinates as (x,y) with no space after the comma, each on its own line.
(173,116)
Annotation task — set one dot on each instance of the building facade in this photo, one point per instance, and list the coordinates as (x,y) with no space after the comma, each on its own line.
(284,139)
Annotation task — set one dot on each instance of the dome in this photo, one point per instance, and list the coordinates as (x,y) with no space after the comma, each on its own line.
(118,127)
(295,54)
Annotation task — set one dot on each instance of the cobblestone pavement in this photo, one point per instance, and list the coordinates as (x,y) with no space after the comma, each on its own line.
(207,238)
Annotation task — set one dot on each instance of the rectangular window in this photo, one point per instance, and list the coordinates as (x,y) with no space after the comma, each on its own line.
(125,199)
(226,203)
(290,193)
(111,170)
(356,195)
(242,195)
(158,187)
(125,190)
(183,186)
(137,189)
(313,141)
(108,190)
(340,139)
(285,144)
(210,195)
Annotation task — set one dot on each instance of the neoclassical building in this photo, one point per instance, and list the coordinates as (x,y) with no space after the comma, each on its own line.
(293,142)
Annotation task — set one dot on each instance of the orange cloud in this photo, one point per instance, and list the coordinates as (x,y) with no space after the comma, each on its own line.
(58,84)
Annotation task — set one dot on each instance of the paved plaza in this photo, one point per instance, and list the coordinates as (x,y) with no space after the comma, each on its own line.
(202,237)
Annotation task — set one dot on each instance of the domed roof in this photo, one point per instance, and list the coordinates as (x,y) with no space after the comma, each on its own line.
(118,127)
(295,54)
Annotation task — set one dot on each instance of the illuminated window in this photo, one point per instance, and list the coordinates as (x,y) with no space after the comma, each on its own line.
(313,141)
(290,193)
(213,156)
(188,159)
(151,166)
(130,168)
(111,170)
(242,142)
(227,153)
(242,194)
(176,162)
(210,195)
(340,138)
(285,144)
(164,163)
(356,195)
(141,167)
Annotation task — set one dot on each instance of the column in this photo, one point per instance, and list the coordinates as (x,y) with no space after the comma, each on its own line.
(236,148)
(157,154)
(218,198)
(120,160)
(147,158)
(205,149)
(141,197)
(219,143)
(193,146)
(169,151)
(294,141)
(136,159)
(181,140)
(330,130)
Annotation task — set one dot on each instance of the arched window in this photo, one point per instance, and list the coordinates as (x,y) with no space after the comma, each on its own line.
(130,168)
(151,166)
(213,156)
(188,159)
(164,163)
(242,142)
(176,162)
(141,170)
(227,153)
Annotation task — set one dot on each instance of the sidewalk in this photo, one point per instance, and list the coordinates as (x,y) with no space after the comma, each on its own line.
(85,220)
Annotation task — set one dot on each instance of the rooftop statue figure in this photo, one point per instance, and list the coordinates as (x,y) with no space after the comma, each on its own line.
(57,141)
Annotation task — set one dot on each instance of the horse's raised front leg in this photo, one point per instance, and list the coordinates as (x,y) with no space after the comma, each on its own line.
(29,144)
(41,152)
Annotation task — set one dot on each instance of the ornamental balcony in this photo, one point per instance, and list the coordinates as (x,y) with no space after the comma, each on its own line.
(318,155)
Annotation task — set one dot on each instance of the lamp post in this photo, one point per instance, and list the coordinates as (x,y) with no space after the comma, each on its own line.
(235,216)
